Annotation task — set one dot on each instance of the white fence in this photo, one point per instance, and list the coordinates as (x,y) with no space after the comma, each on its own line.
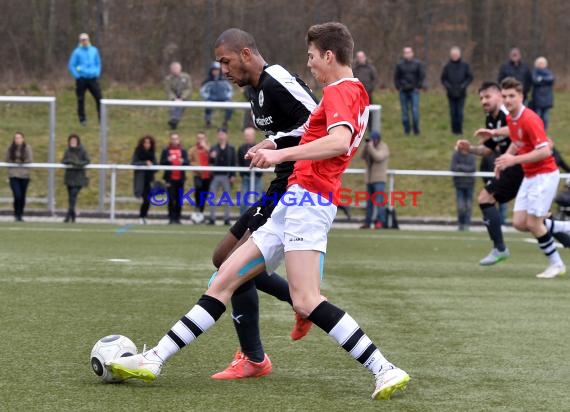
(113,169)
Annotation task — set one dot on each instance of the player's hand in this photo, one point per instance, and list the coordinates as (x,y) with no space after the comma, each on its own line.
(504,161)
(265,144)
(484,134)
(264,158)
(463,145)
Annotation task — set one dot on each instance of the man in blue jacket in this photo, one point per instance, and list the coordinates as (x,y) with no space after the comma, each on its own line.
(85,66)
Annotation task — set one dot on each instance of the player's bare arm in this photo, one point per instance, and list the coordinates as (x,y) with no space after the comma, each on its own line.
(336,143)
(485,134)
(508,159)
(479,150)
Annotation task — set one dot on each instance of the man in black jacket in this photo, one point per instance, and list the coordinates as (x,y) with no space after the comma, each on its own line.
(222,154)
(174,155)
(517,69)
(408,79)
(456,76)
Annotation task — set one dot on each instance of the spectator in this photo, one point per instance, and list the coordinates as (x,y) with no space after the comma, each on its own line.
(517,69)
(542,94)
(366,73)
(216,89)
(75,177)
(144,155)
(174,155)
(375,155)
(19,152)
(222,154)
(178,86)
(456,76)
(463,161)
(409,79)
(85,66)
(249,142)
(199,155)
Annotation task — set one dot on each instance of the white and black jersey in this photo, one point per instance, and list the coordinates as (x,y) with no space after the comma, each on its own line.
(280,105)
(498,144)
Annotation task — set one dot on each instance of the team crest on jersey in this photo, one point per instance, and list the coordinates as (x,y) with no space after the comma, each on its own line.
(261,98)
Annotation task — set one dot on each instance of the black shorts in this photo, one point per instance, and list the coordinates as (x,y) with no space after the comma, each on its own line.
(257,215)
(505,188)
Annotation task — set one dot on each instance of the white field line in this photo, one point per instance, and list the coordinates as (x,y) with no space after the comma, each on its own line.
(101,280)
(383,235)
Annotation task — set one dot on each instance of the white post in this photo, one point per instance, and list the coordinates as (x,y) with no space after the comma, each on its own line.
(102,155)
(113,192)
(51,158)
(391,177)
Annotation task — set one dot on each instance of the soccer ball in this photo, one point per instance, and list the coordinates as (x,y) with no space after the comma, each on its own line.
(109,348)
(197,217)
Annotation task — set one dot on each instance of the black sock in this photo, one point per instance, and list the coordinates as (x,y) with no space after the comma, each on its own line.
(492,219)
(563,238)
(245,314)
(274,285)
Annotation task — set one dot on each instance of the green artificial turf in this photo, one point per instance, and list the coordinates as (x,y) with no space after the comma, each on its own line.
(472,338)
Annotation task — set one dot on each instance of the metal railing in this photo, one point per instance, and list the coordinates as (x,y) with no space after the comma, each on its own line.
(114,168)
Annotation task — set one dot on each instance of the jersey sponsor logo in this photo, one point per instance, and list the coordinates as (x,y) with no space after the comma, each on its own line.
(264,121)
(296,239)
(261,98)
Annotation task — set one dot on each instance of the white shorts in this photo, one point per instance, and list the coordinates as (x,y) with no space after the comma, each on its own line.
(536,193)
(300,221)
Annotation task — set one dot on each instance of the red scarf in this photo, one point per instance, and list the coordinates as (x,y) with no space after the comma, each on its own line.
(175,152)
(204,160)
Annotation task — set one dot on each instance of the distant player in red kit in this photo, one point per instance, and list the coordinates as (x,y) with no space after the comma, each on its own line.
(296,233)
(531,148)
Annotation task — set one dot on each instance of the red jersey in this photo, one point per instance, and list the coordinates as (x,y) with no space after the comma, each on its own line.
(345,102)
(527,134)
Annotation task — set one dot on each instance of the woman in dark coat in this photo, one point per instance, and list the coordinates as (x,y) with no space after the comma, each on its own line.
(144,155)
(75,177)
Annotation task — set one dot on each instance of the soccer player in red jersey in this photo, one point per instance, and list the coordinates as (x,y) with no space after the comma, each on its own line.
(298,227)
(531,148)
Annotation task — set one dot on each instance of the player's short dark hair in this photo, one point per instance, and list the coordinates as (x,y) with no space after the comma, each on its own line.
(489,85)
(335,37)
(236,40)
(511,83)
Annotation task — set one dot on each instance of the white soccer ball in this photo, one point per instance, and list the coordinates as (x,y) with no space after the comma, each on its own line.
(109,348)
(197,217)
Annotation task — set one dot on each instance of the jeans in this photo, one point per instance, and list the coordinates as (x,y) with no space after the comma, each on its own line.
(503,211)
(175,115)
(82,85)
(202,186)
(72,192)
(174,201)
(208,115)
(379,198)
(456,106)
(464,199)
(245,187)
(410,100)
(19,188)
(543,114)
(223,182)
